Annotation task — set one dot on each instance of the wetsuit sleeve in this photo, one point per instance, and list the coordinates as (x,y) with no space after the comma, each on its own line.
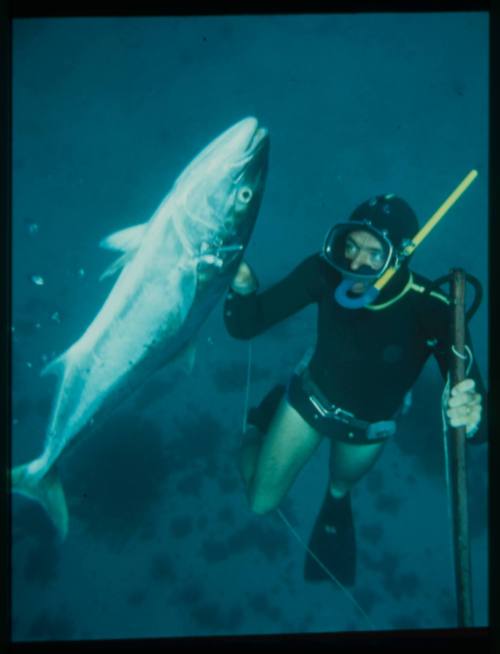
(246,316)
(439,317)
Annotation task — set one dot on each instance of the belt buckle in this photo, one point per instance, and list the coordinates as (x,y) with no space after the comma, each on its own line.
(318,406)
(332,411)
(343,415)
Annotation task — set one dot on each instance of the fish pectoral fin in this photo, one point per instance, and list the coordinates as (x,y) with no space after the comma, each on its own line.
(117,265)
(126,240)
(186,358)
(55,367)
(46,490)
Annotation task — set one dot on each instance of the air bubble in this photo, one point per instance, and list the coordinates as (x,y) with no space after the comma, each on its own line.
(56,317)
(81,272)
(38,280)
(33,228)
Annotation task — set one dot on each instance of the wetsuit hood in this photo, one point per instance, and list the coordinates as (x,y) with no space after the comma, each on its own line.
(394,223)
(390,215)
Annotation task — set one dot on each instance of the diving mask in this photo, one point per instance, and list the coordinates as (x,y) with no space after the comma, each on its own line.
(362,254)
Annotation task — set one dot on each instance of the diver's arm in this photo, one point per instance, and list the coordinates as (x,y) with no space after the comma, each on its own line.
(248,313)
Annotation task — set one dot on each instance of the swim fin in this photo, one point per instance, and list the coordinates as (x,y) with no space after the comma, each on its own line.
(333,542)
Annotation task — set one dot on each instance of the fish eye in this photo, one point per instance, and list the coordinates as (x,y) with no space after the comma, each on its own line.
(245,194)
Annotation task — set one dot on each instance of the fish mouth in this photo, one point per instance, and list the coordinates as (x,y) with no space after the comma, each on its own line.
(258,140)
(257,143)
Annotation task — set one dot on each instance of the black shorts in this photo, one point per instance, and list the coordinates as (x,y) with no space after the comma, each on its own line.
(262,415)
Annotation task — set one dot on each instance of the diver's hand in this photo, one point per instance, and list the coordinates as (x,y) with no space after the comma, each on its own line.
(464,407)
(245,281)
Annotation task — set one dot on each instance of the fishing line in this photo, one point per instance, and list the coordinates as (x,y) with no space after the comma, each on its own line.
(324,568)
(247,388)
(464,357)
(444,401)
(284,519)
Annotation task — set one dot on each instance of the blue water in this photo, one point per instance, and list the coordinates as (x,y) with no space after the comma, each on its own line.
(107,113)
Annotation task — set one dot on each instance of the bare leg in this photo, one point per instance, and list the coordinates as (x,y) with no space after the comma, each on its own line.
(249,453)
(349,462)
(271,466)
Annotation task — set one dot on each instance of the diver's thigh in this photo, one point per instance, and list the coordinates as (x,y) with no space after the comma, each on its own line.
(289,443)
(249,452)
(349,462)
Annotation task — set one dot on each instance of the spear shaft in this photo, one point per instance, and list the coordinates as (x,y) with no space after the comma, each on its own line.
(457,459)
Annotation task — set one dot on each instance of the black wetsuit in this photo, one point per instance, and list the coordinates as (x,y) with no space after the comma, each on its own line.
(365,360)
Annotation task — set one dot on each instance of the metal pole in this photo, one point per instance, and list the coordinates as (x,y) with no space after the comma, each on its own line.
(457,460)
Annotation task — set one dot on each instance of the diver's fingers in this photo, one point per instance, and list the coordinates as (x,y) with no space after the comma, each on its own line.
(463,410)
(457,412)
(473,424)
(463,386)
(464,418)
(465,398)
(475,415)
(243,271)
(471,420)
(245,280)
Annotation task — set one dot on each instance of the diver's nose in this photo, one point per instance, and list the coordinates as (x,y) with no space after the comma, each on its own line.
(361,259)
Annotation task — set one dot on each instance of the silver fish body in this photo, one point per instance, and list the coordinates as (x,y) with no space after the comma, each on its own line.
(173,270)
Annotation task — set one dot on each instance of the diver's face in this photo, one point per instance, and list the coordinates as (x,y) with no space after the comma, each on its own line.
(363,249)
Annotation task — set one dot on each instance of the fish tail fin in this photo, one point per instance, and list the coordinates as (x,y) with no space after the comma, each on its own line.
(46,490)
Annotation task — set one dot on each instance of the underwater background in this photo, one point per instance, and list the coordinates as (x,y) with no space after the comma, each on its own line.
(106,114)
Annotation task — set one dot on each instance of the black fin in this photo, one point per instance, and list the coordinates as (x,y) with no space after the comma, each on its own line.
(333,542)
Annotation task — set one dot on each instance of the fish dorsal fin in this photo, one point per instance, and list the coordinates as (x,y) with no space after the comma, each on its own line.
(67,359)
(56,366)
(117,265)
(126,240)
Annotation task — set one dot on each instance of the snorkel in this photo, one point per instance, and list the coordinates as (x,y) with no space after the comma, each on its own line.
(344,238)
(342,296)
(397,258)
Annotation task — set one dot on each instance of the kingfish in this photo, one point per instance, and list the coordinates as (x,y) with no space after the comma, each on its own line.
(172,271)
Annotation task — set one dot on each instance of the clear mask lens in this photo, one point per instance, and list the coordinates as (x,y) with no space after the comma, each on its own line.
(358,250)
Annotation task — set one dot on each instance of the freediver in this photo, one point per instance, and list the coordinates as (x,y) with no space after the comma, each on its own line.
(353,385)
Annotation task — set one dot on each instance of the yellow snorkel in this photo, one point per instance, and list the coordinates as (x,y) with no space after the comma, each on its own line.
(335,243)
(412,245)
